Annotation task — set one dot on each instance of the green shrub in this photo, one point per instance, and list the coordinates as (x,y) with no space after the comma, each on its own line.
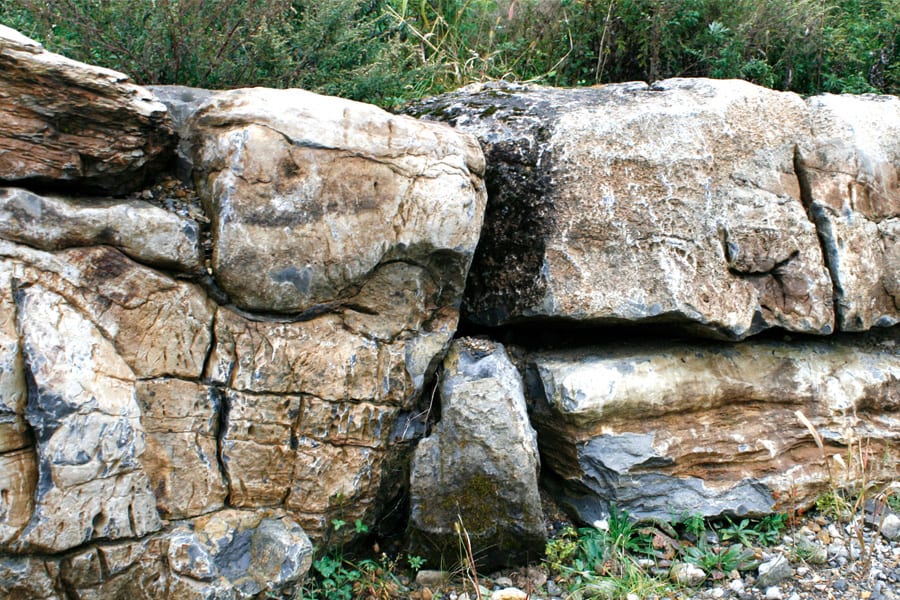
(389,51)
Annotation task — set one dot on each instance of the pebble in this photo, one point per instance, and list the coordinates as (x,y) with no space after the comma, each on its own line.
(688,574)
(774,571)
(774,593)
(430,578)
(890,527)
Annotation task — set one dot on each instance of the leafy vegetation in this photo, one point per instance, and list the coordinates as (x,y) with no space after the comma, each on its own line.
(389,51)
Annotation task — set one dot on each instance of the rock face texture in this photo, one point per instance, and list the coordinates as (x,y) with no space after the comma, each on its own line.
(197,379)
(68,122)
(625,203)
(850,174)
(185,401)
(662,430)
(310,195)
(480,464)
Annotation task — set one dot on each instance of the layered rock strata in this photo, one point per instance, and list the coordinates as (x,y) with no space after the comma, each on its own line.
(65,122)
(665,430)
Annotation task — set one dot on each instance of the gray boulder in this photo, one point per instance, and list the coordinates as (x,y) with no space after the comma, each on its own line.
(479,465)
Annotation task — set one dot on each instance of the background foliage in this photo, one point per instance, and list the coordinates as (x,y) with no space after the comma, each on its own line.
(389,51)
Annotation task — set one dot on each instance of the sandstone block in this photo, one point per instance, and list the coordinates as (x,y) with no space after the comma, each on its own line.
(181,420)
(144,232)
(87,426)
(309,195)
(159,325)
(662,430)
(849,169)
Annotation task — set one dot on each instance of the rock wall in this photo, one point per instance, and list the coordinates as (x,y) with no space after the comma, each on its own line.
(198,376)
(658,218)
(197,379)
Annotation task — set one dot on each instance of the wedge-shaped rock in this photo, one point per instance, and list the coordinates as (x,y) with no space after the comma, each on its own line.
(309,195)
(480,464)
(13,391)
(65,121)
(664,430)
(850,170)
(86,423)
(676,203)
(144,232)
(160,326)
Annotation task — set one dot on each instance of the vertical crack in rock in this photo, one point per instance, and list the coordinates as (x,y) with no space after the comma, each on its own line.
(824,232)
(222,409)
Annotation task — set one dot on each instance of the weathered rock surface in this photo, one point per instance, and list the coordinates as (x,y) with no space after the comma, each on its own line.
(146,233)
(480,464)
(181,420)
(662,430)
(676,203)
(231,555)
(850,173)
(159,325)
(316,413)
(62,121)
(87,428)
(310,195)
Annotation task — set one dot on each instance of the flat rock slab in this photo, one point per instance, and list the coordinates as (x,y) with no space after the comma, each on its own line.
(662,430)
(144,232)
(62,121)
(309,195)
(677,203)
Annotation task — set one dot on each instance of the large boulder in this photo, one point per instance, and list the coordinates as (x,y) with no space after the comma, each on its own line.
(309,196)
(479,466)
(672,203)
(661,430)
(849,169)
(67,122)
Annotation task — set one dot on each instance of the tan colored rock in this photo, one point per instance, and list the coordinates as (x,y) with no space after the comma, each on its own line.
(18,482)
(65,121)
(336,482)
(850,173)
(144,232)
(181,460)
(13,392)
(87,426)
(676,203)
(28,578)
(665,429)
(309,195)
(257,447)
(320,357)
(160,326)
